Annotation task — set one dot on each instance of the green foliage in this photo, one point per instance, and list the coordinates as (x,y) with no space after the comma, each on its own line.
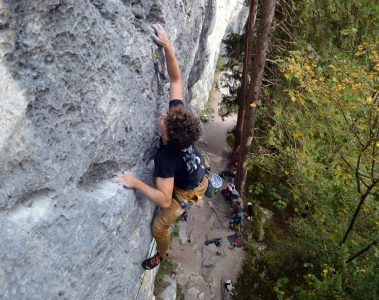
(175,230)
(165,268)
(343,24)
(315,154)
(220,64)
(233,49)
(279,204)
(230,140)
(207,114)
(250,276)
(312,149)
(227,106)
(279,287)
(256,188)
(271,259)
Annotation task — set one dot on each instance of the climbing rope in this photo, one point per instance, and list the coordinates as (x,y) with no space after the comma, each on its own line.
(142,278)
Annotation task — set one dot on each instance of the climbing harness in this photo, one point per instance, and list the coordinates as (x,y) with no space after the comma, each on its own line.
(155,58)
(185,206)
(141,279)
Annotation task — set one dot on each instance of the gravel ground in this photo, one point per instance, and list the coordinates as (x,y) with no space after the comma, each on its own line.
(201,268)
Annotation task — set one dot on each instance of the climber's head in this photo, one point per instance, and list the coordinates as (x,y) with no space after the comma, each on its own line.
(182,127)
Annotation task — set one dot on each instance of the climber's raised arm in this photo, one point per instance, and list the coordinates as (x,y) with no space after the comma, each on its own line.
(173,69)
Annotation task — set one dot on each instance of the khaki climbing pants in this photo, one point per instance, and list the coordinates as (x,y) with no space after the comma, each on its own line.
(168,216)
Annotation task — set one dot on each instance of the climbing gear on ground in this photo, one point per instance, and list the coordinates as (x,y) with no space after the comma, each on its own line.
(229,286)
(152,262)
(214,185)
(155,58)
(235,241)
(230,192)
(217,242)
(228,175)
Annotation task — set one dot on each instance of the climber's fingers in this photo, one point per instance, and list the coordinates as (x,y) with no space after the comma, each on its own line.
(160,36)
(156,28)
(156,39)
(127,179)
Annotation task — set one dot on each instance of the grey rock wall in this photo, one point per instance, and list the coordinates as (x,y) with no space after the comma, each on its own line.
(223,16)
(78,104)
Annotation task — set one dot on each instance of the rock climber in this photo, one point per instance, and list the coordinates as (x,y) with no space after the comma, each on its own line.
(180,168)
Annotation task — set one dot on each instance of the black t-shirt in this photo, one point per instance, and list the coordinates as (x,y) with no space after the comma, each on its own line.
(186,166)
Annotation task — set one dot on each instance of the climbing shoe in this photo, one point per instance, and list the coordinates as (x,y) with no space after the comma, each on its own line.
(152,262)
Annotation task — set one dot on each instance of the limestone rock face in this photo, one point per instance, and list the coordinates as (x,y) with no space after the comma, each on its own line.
(226,16)
(79,104)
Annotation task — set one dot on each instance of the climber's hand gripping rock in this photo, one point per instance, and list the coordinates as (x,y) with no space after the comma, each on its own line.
(160,36)
(173,70)
(127,179)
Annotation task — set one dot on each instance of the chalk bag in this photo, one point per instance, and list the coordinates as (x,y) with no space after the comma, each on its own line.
(214,185)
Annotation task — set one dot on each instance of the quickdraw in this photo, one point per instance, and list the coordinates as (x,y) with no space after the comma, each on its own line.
(155,58)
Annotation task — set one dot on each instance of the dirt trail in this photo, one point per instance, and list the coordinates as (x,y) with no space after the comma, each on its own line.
(201,268)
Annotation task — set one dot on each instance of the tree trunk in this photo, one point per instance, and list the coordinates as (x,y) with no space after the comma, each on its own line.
(245,75)
(362,251)
(357,210)
(258,65)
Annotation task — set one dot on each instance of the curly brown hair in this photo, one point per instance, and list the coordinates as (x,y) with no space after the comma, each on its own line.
(183,127)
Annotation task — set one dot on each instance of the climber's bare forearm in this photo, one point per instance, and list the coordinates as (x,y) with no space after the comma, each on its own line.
(174,74)
(173,69)
(156,196)
(172,64)
(161,196)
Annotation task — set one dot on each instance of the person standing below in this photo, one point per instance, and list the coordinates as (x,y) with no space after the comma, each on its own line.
(179,167)
(237,216)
